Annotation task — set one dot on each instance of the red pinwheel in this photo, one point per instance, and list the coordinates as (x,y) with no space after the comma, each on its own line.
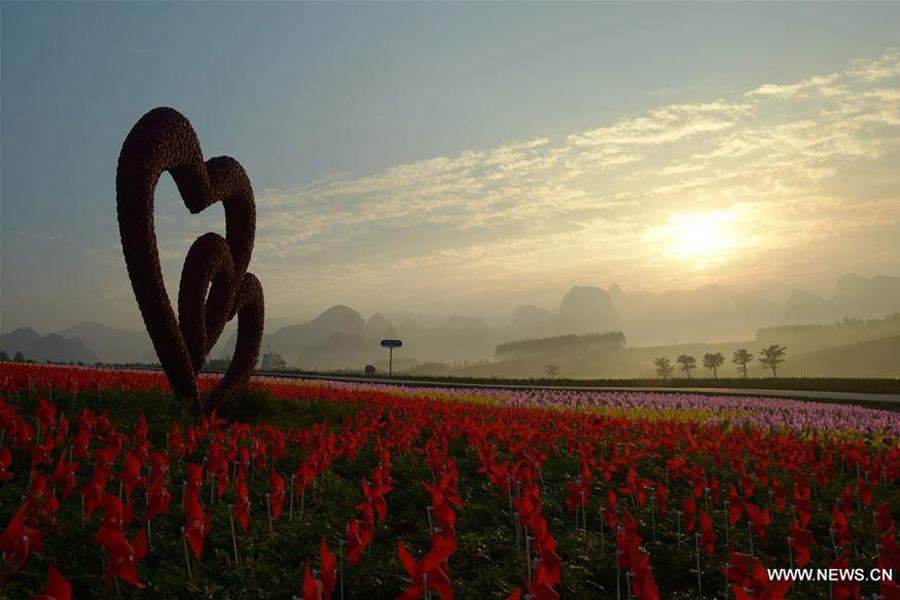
(57,588)
(5,461)
(429,573)
(64,475)
(312,587)
(354,542)
(548,565)
(328,563)
(759,519)
(779,494)
(735,506)
(242,505)
(131,474)
(888,551)
(845,588)
(194,481)
(840,526)
(124,557)
(373,498)
(158,499)
(644,583)
(18,540)
(93,492)
(662,494)
(690,509)
(707,537)
(41,505)
(884,521)
(115,515)
(276,498)
(801,541)
(197,525)
(46,413)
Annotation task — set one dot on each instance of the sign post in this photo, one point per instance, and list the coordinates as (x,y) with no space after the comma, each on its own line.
(391,344)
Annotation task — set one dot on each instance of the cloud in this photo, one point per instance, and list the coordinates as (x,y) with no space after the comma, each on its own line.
(773,161)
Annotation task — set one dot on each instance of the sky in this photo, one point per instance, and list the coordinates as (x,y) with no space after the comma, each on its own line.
(457,158)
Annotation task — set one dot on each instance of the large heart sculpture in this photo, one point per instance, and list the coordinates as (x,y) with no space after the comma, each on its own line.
(215,285)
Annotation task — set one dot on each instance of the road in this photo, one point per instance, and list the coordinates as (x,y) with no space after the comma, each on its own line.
(799,394)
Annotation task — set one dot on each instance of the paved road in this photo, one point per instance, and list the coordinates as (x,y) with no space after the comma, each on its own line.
(801,394)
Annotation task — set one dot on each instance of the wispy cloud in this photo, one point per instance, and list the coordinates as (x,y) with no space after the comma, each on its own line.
(773,164)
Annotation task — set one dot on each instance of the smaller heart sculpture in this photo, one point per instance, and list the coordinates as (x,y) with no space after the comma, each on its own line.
(215,285)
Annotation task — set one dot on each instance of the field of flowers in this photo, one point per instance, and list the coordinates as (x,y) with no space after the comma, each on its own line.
(111,487)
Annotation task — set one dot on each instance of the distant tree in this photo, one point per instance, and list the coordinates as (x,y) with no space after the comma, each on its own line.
(552,370)
(741,358)
(713,361)
(19,357)
(687,363)
(4,357)
(771,357)
(663,368)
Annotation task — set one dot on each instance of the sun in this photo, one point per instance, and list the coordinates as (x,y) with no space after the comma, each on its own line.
(703,237)
(700,238)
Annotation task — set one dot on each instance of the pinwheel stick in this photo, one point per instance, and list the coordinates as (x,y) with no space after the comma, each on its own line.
(291,515)
(727,525)
(269,512)
(528,556)
(697,553)
(790,551)
(187,557)
(518,530)
(750,530)
(233,536)
(618,579)
(602,535)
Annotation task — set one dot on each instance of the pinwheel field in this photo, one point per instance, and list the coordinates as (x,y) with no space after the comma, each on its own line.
(110,487)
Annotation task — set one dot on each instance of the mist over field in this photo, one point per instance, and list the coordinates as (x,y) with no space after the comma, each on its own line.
(853,332)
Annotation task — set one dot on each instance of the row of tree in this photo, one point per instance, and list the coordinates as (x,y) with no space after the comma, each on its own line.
(769,358)
(4,357)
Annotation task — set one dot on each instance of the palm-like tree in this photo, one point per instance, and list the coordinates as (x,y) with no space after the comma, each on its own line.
(771,357)
(663,368)
(687,363)
(741,358)
(713,361)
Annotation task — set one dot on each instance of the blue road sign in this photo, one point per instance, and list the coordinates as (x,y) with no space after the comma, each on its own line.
(391,343)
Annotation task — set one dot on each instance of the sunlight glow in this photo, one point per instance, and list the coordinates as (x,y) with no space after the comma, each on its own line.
(703,237)
(700,238)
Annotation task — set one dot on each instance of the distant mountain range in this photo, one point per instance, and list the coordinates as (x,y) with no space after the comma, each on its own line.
(341,338)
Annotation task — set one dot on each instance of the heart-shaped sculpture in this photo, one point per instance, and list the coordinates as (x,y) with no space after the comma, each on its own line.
(215,285)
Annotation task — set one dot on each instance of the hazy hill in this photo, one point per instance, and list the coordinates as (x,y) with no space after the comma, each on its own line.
(587,310)
(859,296)
(531,322)
(18,340)
(377,327)
(113,345)
(710,312)
(874,358)
(804,308)
(53,347)
(712,315)
(294,340)
(804,338)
